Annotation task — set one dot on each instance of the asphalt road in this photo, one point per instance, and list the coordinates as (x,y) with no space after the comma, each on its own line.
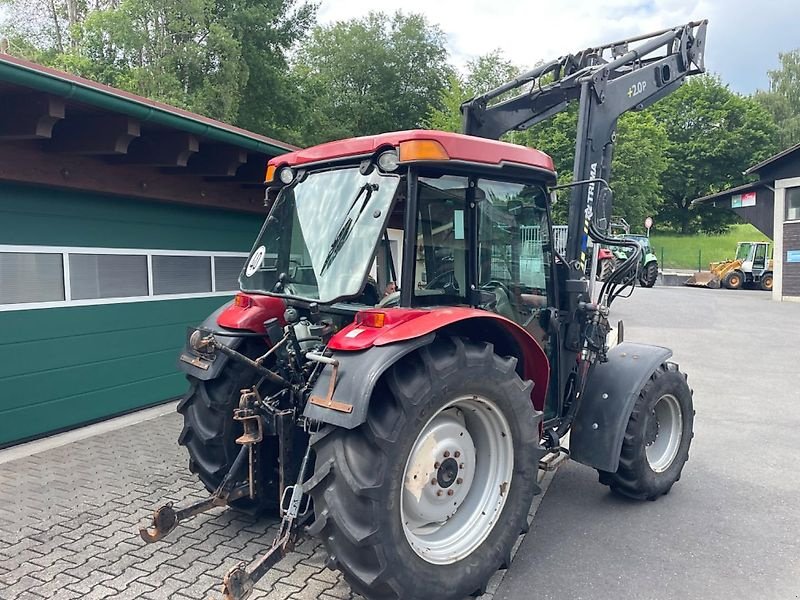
(731,527)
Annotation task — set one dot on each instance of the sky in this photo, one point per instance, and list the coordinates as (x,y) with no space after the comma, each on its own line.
(743,41)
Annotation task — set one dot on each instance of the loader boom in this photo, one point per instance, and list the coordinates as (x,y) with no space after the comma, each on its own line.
(607,81)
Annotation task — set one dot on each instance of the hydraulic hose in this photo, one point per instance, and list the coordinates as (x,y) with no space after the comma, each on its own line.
(625,275)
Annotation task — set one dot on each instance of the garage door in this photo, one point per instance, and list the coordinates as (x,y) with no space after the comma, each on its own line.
(95,296)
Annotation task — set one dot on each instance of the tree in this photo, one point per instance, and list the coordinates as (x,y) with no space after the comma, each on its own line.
(636,167)
(221,59)
(482,74)
(782,100)
(714,135)
(268,31)
(45,25)
(176,51)
(370,75)
(638,163)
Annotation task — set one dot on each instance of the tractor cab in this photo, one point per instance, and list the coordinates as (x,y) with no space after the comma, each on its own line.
(412,219)
(644,242)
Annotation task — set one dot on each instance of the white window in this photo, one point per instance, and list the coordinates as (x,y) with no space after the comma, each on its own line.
(107,276)
(31,277)
(793,204)
(181,274)
(46,277)
(226,272)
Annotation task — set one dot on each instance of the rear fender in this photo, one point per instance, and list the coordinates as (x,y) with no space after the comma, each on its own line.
(364,357)
(358,373)
(611,392)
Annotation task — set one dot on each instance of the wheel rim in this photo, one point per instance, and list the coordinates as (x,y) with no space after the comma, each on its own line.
(768,283)
(663,433)
(456,480)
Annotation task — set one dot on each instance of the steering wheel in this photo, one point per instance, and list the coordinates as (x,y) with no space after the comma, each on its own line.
(446,282)
(502,305)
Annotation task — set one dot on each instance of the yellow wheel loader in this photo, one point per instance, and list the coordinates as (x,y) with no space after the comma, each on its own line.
(750,267)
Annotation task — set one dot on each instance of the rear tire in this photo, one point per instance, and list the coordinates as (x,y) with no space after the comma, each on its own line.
(209,433)
(649,274)
(733,280)
(766,282)
(372,515)
(657,438)
(606,269)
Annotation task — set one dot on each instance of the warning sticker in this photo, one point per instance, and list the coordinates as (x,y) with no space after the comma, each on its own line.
(254,264)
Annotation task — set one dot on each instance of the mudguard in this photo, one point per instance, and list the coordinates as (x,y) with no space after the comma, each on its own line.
(192,364)
(611,392)
(357,375)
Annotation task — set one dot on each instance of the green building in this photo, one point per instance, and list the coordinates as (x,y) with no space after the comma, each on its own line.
(122,222)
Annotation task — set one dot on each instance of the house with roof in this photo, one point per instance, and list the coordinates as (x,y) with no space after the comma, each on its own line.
(122,222)
(772,205)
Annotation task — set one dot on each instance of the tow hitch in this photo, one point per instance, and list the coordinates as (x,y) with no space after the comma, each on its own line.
(166,517)
(259,417)
(239,581)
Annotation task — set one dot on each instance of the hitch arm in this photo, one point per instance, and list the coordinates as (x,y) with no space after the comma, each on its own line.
(166,518)
(239,582)
(271,376)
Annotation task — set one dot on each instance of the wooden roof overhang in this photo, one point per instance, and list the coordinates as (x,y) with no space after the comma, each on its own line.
(61,130)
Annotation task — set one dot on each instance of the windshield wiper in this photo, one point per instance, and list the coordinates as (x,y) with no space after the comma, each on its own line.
(347,226)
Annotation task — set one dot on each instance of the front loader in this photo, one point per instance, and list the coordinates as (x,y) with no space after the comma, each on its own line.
(751,266)
(398,399)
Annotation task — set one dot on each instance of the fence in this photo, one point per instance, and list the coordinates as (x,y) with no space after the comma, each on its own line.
(686,260)
(533,235)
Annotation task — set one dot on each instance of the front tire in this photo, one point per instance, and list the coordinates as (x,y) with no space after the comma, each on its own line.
(400,514)
(649,274)
(657,438)
(733,280)
(606,269)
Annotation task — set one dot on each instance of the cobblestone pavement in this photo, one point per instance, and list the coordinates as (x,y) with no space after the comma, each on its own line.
(69,521)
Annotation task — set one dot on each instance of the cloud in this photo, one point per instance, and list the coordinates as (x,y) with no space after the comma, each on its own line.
(743,41)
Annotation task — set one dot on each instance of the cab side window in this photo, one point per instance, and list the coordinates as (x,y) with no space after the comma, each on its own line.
(514,249)
(441,265)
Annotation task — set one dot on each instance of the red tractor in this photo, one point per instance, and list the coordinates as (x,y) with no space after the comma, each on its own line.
(408,349)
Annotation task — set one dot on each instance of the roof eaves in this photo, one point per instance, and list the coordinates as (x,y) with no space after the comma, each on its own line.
(772,159)
(32,75)
(717,195)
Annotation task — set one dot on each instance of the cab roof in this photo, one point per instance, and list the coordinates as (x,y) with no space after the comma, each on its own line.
(459,147)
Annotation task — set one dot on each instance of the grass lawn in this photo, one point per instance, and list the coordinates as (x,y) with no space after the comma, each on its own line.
(687,251)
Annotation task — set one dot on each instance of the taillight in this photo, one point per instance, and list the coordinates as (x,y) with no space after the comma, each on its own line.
(242,301)
(371,319)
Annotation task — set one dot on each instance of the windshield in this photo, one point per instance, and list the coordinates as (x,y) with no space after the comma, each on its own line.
(320,237)
(743,251)
(644,241)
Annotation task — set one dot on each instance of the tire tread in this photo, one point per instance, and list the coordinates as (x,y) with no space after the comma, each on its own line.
(346,507)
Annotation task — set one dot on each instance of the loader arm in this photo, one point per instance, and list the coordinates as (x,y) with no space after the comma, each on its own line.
(606,81)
